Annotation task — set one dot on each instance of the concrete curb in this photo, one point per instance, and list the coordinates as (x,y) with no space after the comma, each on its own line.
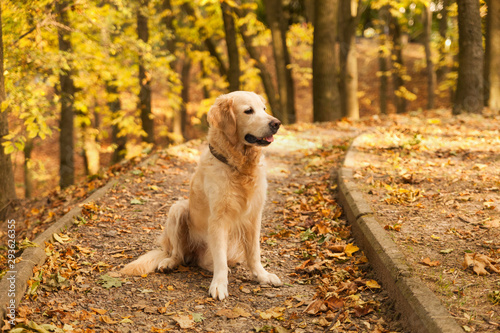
(420,309)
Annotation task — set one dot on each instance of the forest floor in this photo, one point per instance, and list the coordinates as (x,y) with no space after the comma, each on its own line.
(433,182)
(328,284)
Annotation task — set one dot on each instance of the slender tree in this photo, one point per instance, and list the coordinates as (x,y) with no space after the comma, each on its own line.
(492,56)
(398,68)
(348,88)
(469,93)
(383,54)
(431,75)
(326,99)
(144,75)
(442,67)
(232,47)
(7,186)
(67,91)
(278,26)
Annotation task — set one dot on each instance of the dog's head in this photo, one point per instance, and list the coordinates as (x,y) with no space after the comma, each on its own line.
(242,116)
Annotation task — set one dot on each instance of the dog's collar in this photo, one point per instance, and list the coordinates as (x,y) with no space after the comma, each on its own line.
(218,156)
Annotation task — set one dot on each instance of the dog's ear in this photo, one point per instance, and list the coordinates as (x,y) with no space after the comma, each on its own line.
(221,116)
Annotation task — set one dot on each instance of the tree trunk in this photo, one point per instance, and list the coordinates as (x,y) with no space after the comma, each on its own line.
(7,185)
(492,56)
(431,75)
(264,74)
(67,91)
(275,19)
(326,98)
(144,76)
(115,106)
(383,54)
(348,87)
(180,119)
(469,95)
(233,76)
(398,69)
(442,68)
(28,172)
(91,150)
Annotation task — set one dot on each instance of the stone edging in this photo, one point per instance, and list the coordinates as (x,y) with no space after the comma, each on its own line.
(420,309)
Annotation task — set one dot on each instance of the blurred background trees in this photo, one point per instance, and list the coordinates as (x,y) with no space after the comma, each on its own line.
(89,83)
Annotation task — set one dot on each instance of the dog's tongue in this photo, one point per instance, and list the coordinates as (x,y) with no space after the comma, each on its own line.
(269,138)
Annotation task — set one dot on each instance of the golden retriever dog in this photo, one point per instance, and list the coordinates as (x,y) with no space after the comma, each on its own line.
(219,225)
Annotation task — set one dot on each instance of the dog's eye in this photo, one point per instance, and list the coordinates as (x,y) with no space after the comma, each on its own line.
(249,111)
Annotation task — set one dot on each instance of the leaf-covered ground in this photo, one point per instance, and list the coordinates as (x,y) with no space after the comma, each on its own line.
(433,181)
(328,283)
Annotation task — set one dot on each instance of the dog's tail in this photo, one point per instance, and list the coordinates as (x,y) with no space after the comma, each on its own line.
(147,263)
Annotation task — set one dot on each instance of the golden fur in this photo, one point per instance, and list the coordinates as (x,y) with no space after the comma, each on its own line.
(220,223)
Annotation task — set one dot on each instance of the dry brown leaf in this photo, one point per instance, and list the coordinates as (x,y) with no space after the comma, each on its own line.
(184,321)
(108,320)
(99,311)
(314,307)
(479,263)
(427,261)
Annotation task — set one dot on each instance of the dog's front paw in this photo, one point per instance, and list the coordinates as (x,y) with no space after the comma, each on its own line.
(270,279)
(218,289)
(167,265)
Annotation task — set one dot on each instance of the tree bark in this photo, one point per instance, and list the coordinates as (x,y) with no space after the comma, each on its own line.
(398,68)
(383,53)
(67,91)
(492,56)
(28,172)
(233,76)
(115,106)
(442,68)
(275,19)
(144,77)
(431,75)
(469,95)
(326,97)
(7,184)
(348,59)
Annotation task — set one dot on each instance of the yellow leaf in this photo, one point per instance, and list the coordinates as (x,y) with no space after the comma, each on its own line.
(435,237)
(99,311)
(372,284)
(350,249)
(272,313)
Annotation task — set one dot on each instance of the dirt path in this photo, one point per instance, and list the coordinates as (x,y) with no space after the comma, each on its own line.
(328,283)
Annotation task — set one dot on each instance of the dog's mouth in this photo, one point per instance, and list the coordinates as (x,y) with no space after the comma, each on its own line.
(265,141)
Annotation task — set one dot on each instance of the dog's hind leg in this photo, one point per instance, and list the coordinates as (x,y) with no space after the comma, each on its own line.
(175,237)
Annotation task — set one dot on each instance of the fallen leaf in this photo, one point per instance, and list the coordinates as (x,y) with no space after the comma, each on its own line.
(99,311)
(109,282)
(372,284)
(184,321)
(427,261)
(197,317)
(314,307)
(446,251)
(479,263)
(108,320)
(276,313)
(350,249)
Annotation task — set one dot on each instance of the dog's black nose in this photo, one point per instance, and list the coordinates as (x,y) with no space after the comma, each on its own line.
(274,125)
